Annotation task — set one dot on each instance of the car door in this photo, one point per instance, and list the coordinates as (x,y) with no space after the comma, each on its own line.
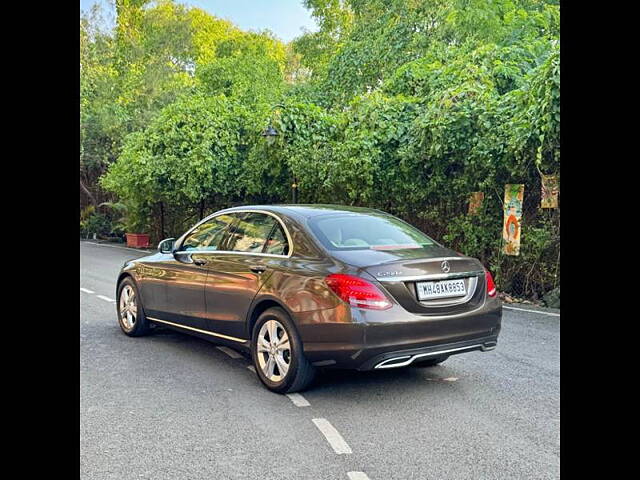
(186,272)
(253,246)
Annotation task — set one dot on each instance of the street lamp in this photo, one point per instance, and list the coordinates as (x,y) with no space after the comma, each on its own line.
(270,134)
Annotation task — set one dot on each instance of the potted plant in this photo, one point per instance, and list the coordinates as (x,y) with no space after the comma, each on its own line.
(132,222)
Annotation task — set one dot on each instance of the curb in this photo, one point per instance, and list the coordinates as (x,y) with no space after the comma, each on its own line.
(523,307)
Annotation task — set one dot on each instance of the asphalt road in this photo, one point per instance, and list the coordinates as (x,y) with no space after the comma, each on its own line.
(171,406)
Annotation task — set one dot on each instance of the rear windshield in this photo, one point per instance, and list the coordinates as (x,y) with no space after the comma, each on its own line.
(362,232)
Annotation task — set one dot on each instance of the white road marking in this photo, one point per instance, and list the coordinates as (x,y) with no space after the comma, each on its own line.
(448,379)
(86,290)
(332,435)
(230,352)
(106,299)
(357,476)
(532,311)
(298,400)
(252,368)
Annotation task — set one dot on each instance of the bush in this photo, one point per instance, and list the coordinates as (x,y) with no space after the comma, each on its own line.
(97,223)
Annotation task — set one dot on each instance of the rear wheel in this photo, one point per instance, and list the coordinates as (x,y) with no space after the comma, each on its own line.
(430,362)
(131,317)
(278,355)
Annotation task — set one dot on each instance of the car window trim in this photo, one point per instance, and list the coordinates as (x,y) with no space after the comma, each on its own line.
(217,214)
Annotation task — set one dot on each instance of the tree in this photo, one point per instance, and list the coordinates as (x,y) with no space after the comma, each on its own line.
(192,152)
(403,105)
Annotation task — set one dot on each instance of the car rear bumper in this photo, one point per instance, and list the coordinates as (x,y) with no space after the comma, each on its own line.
(388,339)
(403,358)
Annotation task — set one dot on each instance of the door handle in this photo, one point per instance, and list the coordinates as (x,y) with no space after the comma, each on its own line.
(199,261)
(257,269)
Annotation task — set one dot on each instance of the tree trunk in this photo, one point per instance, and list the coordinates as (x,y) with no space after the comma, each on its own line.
(162,221)
(89,194)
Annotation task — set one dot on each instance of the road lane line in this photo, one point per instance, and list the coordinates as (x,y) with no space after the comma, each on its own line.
(230,352)
(106,299)
(252,368)
(86,290)
(298,400)
(532,311)
(357,476)
(332,435)
(448,379)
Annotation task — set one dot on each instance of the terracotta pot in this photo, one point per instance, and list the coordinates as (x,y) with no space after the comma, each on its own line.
(138,240)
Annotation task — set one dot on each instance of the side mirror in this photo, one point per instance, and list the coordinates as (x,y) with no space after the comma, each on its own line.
(166,245)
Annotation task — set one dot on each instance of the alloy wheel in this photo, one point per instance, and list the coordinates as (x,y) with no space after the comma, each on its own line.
(273,351)
(128,307)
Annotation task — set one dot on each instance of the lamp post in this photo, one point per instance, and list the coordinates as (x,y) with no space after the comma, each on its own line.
(270,134)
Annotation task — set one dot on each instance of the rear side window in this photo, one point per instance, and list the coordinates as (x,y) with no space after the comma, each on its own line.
(362,232)
(207,236)
(277,243)
(251,232)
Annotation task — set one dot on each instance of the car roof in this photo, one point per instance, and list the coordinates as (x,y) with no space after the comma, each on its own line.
(308,210)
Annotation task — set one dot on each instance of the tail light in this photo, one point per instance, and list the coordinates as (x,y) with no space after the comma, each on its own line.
(357,292)
(491,286)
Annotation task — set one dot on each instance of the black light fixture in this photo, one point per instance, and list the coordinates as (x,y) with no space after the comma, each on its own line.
(270,134)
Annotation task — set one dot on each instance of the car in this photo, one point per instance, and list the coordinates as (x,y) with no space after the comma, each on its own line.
(308,287)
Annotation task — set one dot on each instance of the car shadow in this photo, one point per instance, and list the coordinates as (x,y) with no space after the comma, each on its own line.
(160,333)
(329,381)
(403,378)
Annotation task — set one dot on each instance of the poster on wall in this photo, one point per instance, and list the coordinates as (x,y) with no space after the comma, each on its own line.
(475,202)
(513,196)
(549,191)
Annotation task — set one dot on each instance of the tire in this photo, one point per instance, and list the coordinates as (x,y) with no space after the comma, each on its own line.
(431,362)
(270,359)
(133,325)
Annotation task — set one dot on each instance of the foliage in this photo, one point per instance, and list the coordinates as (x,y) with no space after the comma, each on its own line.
(97,223)
(248,67)
(402,105)
(301,150)
(126,217)
(129,74)
(193,151)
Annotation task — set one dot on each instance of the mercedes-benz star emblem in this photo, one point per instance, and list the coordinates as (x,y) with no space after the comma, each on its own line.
(445,266)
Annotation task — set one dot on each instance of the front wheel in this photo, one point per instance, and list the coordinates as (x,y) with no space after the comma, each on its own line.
(131,317)
(278,355)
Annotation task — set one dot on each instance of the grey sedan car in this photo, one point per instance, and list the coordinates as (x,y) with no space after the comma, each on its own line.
(303,287)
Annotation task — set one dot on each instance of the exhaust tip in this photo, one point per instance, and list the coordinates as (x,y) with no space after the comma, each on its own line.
(395,362)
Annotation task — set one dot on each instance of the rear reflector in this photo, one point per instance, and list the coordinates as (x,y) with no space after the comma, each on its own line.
(357,291)
(491,286)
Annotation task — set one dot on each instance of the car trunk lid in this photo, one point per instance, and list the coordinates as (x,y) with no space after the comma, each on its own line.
(399,272)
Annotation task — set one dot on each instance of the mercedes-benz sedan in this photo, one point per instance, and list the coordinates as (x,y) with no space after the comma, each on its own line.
(303,287)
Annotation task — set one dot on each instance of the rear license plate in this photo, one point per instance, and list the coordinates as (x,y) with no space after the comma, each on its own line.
(441,289)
